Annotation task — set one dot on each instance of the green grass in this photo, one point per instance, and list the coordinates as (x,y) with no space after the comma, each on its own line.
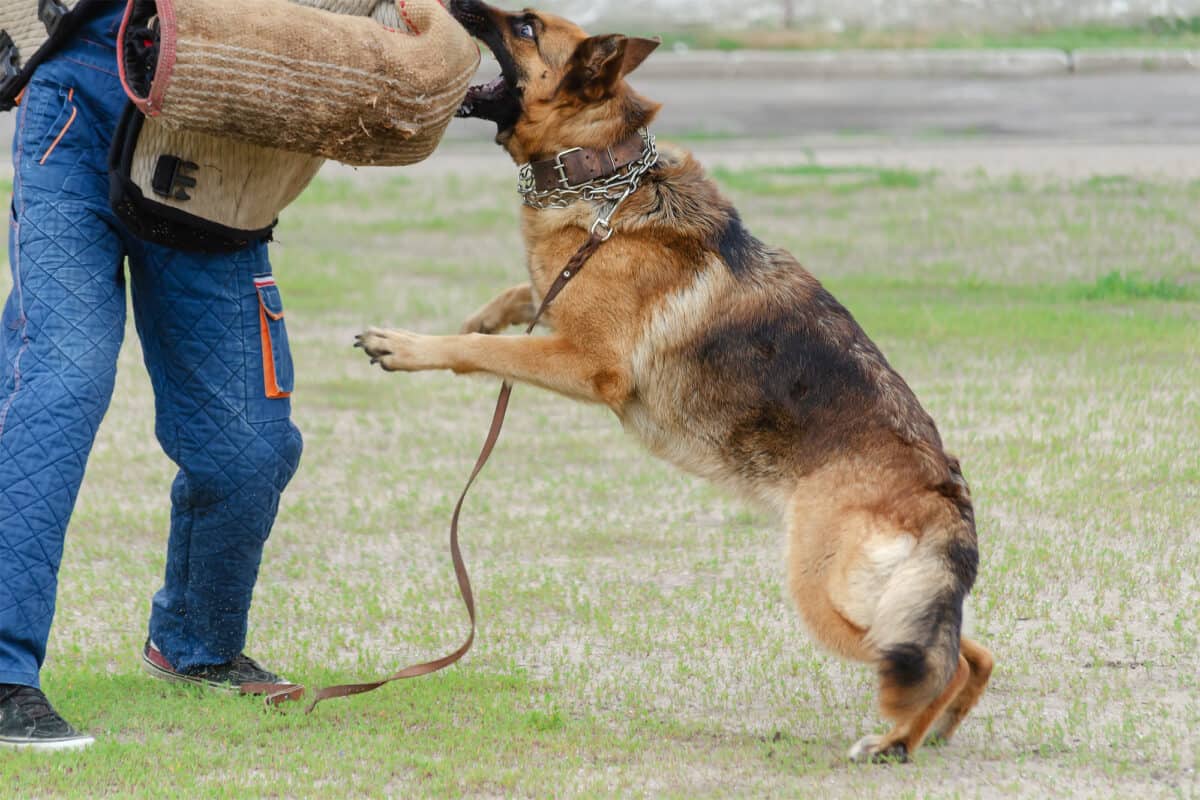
(1160,32)
(1116,287)
(800,178)
(634,635)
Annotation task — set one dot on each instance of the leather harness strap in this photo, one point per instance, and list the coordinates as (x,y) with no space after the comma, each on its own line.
(279,694)
(580,165)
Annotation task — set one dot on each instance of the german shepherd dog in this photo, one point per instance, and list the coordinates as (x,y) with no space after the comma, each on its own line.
(728,359)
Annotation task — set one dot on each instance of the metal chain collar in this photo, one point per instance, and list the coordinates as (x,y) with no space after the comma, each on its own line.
(612,189)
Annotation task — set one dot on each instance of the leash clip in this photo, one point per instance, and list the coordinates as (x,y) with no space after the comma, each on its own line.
(602,229)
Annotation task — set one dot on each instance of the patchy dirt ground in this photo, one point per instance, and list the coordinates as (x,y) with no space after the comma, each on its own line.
(635,639)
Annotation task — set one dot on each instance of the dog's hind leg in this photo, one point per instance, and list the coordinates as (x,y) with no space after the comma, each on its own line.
(980,660)
(916,631)
(871,591)
(911,725)
(835,595)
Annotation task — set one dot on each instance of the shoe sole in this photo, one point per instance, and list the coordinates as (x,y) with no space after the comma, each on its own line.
(283,689)
(48,746)
(155,671)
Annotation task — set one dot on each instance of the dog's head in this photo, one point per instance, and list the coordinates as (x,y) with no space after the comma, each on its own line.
(558,88)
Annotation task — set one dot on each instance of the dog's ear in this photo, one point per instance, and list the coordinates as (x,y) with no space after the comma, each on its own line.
(600,61)
(595,66)
(637,50)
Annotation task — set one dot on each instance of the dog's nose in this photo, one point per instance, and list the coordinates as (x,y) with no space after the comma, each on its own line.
(462,7)
(472,15)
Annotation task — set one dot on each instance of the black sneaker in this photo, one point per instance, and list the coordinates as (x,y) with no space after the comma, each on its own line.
(29,722)
(242,674)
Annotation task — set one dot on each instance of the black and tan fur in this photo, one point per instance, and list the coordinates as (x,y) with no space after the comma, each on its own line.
(725,357)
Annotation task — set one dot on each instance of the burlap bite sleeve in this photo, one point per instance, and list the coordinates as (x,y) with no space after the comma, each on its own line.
(292,77)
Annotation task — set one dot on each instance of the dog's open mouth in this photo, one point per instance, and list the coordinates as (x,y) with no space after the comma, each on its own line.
(498,101)
(484,95)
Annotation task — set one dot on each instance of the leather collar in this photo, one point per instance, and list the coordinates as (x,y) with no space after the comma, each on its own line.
(579,166)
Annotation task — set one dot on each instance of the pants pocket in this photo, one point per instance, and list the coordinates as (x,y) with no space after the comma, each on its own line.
(59,128)
(278,372)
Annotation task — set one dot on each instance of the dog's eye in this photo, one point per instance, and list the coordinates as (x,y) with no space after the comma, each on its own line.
(524,30)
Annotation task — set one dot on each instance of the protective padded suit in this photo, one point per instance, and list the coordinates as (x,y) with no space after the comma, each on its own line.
(214,343)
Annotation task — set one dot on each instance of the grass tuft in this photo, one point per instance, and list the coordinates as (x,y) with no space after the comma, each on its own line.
(800,178)
(1117,286)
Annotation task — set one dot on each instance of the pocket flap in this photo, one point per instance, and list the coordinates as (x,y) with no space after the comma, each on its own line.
(268,295)
(278,377)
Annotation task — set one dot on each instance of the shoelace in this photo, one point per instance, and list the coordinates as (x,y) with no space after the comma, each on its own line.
(242,661)
(32,702)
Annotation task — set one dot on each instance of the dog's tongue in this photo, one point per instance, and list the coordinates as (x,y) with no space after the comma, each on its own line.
(481,93)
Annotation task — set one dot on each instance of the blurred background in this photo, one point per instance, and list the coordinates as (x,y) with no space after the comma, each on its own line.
(950,84)
(918,18)
(1066,87)
(837,16)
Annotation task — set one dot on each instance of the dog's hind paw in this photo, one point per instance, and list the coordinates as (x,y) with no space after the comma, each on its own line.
(871,749)
(863,748)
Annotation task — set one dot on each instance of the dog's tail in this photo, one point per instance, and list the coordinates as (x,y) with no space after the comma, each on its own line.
(918,623)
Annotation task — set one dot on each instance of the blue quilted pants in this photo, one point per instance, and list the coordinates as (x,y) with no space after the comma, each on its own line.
(205,323)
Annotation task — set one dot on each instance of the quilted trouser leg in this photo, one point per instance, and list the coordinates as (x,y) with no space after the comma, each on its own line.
(60,333)
(198,317)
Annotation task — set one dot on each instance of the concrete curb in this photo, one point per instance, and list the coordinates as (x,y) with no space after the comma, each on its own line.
(1024,63)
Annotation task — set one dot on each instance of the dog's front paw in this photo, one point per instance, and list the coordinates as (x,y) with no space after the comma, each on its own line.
(394,350)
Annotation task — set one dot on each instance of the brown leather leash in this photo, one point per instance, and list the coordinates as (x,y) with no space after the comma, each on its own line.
(279,693)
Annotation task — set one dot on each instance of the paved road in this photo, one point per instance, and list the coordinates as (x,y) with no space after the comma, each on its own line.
(1141,108)
(1138,122)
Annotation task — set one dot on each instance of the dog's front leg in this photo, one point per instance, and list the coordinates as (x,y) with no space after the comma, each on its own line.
(513,306)
(550,362)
